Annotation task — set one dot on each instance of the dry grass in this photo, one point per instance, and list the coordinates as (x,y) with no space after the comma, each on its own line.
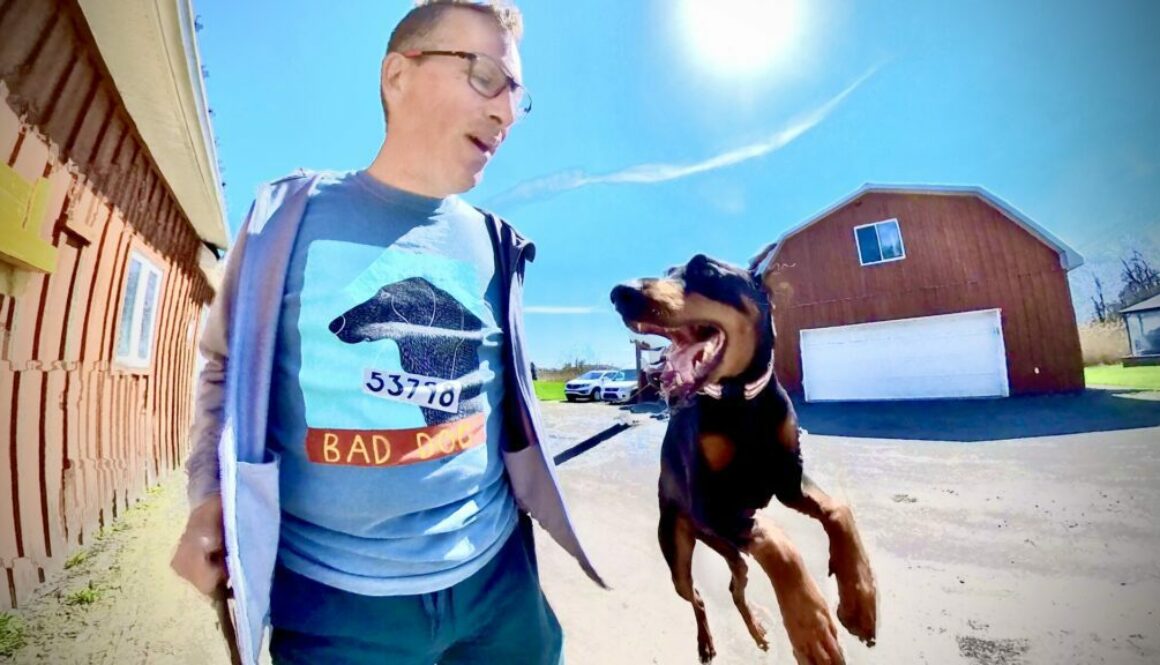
(1103,343)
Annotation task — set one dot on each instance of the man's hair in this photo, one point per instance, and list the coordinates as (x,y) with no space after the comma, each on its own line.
(424,18)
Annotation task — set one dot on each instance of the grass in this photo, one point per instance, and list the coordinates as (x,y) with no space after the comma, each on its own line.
(1142,378)
(550,391)
(85,596)
(77,559)
(11,634)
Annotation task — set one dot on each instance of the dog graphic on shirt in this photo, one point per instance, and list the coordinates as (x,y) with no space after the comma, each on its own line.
(437,336)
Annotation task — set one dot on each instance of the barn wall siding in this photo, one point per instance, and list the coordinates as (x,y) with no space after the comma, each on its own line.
(82,438)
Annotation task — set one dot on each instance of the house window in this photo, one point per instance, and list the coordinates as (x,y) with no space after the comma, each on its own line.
(879,242)
(138,312)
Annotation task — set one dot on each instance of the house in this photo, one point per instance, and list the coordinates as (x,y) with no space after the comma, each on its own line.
(922,292)
(1143,323)
(111,226)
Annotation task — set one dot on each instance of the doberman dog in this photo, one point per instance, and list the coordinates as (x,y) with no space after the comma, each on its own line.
(732,444)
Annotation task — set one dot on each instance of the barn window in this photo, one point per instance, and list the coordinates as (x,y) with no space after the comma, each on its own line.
(138,312)
(879,242)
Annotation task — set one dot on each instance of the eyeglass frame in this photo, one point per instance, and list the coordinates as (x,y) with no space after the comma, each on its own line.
(472,57)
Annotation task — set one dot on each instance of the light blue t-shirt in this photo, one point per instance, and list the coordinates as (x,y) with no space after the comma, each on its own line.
(387,392)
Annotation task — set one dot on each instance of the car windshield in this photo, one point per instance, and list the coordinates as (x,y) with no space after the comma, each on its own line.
(626,375)
(592,375)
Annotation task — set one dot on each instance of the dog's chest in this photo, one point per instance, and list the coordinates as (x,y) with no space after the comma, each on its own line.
(717,450)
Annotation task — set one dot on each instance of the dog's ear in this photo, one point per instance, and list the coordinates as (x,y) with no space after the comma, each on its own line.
(761,285)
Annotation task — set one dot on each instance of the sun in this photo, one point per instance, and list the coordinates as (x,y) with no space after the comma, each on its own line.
(740,37)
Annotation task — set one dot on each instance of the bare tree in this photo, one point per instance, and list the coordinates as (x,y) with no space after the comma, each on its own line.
(1099,303)
(1140,279)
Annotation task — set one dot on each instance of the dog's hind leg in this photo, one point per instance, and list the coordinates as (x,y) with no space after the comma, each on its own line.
(812,631)
(857,592)
(740,579)
(677,539)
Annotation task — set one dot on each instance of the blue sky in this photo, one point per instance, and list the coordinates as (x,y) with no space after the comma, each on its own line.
(643,149)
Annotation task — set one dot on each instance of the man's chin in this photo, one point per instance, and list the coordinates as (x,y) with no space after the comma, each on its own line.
(466,182)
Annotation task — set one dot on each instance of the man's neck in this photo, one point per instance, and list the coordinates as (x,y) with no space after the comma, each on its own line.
(391,167)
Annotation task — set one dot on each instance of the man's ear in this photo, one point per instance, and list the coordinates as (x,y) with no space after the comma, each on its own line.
(391,74)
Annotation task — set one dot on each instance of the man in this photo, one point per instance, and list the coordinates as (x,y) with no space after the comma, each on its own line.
(366,391)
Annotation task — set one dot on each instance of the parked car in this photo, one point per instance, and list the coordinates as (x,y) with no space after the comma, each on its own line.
(588,385)
(620,387)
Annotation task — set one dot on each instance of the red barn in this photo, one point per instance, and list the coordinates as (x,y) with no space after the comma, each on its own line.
(111,219)
(923,292)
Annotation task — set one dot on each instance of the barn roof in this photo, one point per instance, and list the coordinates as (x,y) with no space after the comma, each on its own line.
(150,49)
(1143,305)
(1068,257)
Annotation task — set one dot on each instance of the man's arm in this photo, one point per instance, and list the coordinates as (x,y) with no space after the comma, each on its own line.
(200,555)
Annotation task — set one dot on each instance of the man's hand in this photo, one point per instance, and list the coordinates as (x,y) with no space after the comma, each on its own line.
(200,556)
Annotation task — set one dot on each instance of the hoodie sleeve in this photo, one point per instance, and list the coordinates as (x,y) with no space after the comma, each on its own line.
(202,467)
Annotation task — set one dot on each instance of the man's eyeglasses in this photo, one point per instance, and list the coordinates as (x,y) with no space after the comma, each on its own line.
(488,77)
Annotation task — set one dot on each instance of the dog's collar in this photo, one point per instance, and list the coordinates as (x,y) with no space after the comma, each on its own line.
(752,389)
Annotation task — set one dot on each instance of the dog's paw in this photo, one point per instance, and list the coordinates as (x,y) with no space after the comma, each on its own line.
(705,649)
(858,603)
(757,627)
(812,631)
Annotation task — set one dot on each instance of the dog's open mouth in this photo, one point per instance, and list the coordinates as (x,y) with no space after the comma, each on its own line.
(695,350)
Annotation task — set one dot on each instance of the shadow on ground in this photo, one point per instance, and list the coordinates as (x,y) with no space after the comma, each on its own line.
(1093,410)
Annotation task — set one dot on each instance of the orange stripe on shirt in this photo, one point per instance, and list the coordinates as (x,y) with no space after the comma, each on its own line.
(394,447)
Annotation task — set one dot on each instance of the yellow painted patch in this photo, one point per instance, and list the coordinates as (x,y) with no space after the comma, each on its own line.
(22,208)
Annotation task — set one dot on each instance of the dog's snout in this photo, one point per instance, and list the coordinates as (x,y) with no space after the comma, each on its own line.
(337,324)
(629,299)
(626,292)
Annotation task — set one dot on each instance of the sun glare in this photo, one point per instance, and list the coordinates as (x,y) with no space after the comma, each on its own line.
(739,37)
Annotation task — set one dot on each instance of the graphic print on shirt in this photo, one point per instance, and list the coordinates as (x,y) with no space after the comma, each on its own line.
(391,371)
(438,339)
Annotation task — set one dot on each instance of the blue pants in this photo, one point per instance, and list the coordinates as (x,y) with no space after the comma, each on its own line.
(498,615)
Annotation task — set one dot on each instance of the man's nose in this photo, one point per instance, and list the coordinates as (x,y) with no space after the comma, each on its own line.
(503,109)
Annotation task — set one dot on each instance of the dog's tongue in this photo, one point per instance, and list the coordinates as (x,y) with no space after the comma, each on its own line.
(680,363)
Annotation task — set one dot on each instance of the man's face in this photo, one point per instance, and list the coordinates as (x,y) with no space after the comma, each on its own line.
(446,128)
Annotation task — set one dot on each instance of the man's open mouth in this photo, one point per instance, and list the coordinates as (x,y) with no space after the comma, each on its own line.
(695,350)
(483,146)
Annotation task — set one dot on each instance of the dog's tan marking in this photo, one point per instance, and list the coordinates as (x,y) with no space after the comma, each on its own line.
(787,434)
(667,294)
(717,450)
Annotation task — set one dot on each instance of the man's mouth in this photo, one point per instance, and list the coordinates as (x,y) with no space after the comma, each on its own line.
(695,350)
(486,147)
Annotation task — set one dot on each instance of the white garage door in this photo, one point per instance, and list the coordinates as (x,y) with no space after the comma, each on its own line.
(952,355)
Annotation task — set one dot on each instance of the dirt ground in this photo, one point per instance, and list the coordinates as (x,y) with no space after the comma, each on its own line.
(1033,549)
(140,612)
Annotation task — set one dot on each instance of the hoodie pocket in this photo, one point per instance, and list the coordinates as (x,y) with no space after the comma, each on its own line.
(258,519)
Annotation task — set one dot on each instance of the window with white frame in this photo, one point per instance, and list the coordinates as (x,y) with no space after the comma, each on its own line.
(879,242)
(138,312)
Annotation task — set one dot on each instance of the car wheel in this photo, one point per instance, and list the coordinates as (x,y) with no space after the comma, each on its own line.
(596,394)
(570,398)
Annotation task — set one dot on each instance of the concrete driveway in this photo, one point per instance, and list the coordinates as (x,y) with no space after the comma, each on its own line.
(1024,530)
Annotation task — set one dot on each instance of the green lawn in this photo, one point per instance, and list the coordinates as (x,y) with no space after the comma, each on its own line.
(550,391)
(1143,378)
